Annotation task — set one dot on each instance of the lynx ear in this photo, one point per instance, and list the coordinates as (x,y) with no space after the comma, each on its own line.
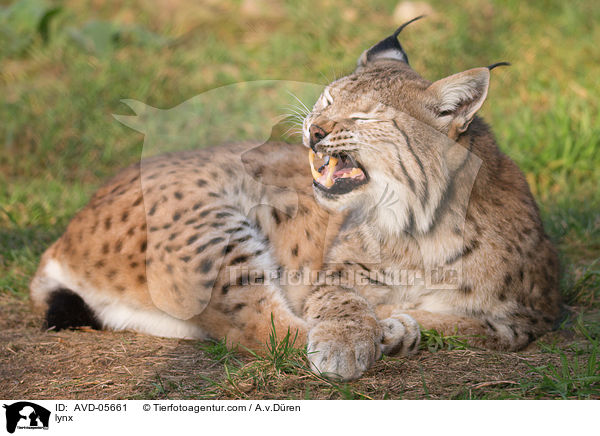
(457,98)
(388,48)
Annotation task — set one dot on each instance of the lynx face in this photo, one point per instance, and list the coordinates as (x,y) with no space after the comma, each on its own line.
(385,135)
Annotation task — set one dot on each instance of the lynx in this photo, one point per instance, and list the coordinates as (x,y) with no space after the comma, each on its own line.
(412,218)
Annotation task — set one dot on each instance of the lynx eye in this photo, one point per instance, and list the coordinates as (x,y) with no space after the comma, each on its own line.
(362,117)
(323,102)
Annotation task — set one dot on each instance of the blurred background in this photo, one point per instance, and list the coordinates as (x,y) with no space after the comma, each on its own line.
(65,67)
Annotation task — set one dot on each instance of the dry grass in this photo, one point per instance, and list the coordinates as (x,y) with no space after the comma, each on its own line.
(123,365)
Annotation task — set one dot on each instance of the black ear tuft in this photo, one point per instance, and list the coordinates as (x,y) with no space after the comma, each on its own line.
(498,64)
(389,48)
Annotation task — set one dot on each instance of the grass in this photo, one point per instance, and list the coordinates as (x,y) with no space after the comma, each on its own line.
(68,66)
(432,341)
(576,376)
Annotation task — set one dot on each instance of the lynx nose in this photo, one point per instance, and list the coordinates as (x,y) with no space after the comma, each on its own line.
(316,134)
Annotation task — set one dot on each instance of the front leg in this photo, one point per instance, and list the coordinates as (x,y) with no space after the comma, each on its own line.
(345,337)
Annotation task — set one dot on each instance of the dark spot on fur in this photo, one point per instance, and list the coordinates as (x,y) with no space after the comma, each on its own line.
(490,325)
(105,248)
(124,216)
(295,251)
(211,242)
(209,284)
(192,239)
(107,223)
(137,201)
(466,289)
(238,307)
(276,217)
(143,246)
(205,266)
(507,279)
(178,195)
(238,259)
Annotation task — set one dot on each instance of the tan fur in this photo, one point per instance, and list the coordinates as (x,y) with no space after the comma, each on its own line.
(190,237)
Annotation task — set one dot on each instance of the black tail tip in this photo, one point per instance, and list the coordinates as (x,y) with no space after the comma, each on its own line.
(67,310)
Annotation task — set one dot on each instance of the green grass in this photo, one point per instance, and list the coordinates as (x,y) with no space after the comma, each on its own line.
(432,341)
(66,67)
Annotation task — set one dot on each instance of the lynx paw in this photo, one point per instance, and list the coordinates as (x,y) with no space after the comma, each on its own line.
(342,351)
(401,335)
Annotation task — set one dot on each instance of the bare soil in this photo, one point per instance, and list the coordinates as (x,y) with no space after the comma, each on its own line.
(37,364)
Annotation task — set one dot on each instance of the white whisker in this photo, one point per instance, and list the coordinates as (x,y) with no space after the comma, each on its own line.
(299,101)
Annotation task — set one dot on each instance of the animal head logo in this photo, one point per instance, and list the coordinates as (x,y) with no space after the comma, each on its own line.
(25,414)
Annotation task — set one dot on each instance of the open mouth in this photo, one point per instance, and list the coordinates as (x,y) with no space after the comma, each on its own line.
(337,174)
